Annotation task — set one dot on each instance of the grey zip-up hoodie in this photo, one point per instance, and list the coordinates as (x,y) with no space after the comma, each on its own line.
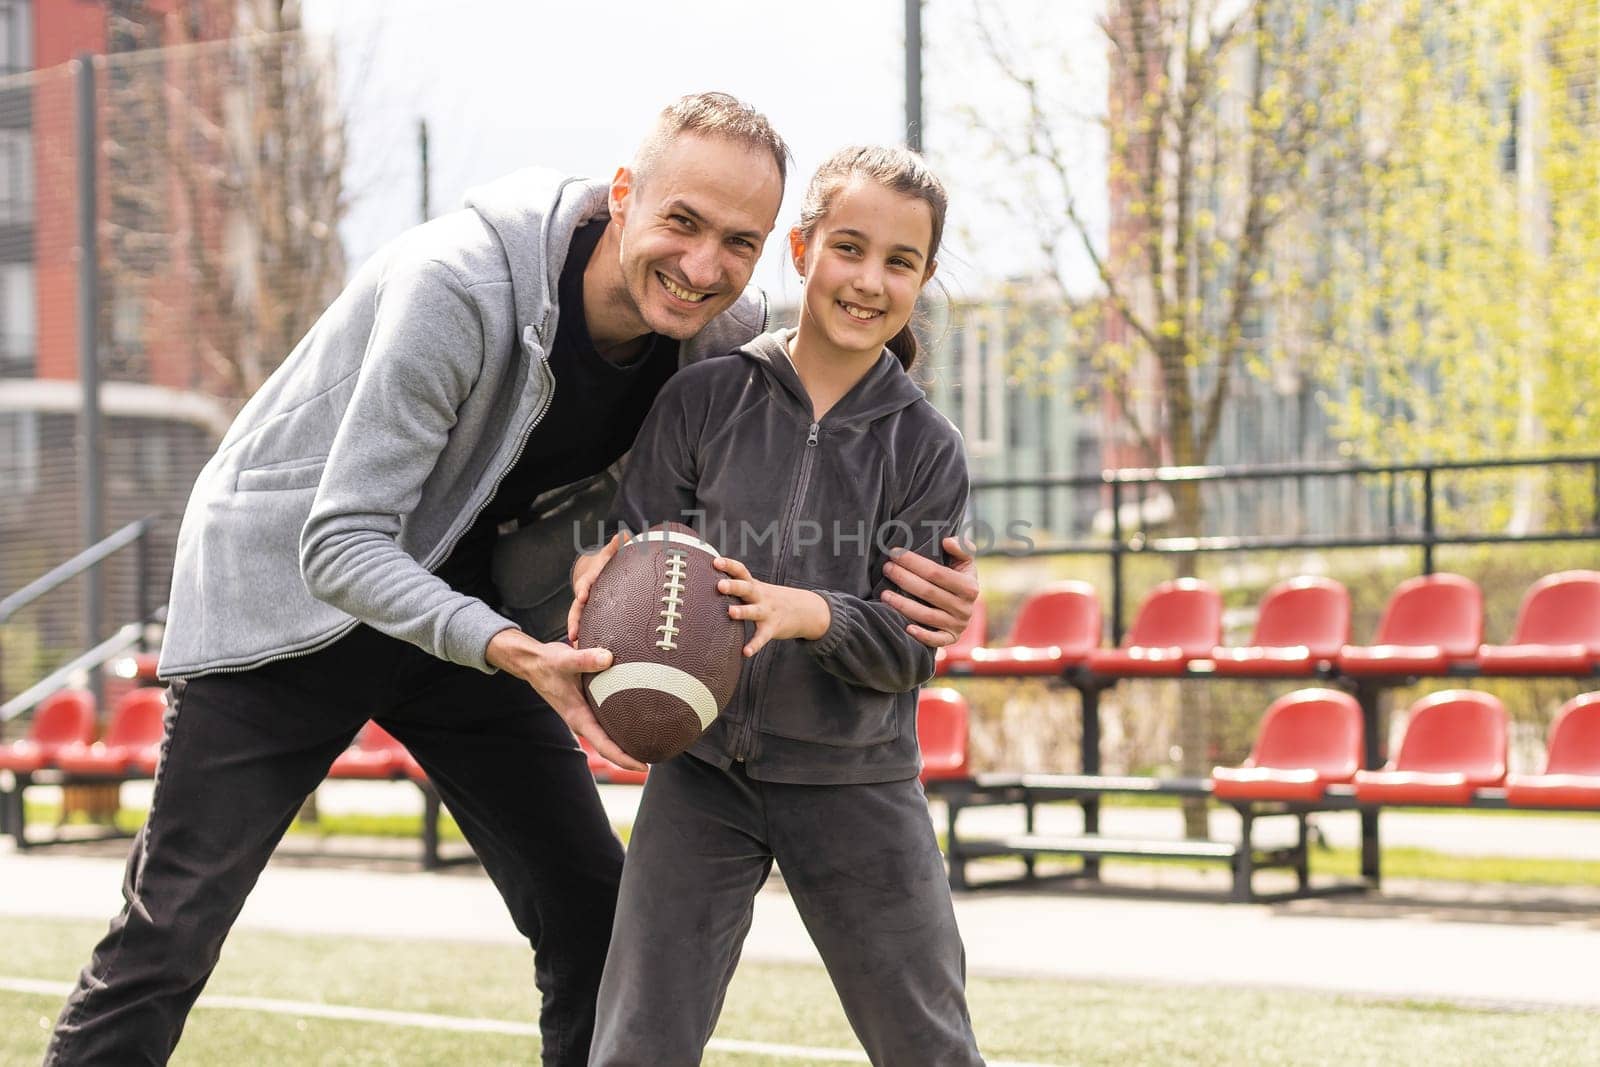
(731,449)
(366,456)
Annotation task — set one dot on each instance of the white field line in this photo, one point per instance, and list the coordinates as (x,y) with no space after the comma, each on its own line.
(460,1024)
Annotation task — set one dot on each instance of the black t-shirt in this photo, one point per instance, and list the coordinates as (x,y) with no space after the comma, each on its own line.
(596,412)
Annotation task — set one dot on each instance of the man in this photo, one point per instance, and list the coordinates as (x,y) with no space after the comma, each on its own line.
(339,555)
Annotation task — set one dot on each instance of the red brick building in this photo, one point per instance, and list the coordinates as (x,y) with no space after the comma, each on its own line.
(160,418)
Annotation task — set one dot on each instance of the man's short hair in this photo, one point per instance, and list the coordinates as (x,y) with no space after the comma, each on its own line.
(712,115)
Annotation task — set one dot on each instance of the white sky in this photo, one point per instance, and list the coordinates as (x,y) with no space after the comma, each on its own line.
(508,83)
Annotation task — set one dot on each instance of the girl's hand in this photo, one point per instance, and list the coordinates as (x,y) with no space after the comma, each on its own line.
(778,611)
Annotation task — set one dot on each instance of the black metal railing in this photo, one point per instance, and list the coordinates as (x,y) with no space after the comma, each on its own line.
(1408,520)
(135,534)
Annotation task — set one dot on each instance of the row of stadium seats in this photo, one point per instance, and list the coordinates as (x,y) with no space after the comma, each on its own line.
(1309,748)
(62,737)
(1310,742)
(1453,752)
(1432,625)
(60,747)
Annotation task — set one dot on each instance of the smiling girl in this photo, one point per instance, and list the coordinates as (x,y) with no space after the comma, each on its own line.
(812,458)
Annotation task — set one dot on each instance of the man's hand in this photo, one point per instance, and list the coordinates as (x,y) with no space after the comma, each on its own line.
(584,572)
(937,599)
(553,670)
(778,611)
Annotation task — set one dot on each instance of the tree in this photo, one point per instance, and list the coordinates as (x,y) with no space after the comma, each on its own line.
(1214,118)
(227,156)
(1214,127)
(1464,289)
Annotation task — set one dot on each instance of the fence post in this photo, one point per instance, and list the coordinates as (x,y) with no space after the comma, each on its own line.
(141,563)
(1116,560)
(1428,532)
(90,472)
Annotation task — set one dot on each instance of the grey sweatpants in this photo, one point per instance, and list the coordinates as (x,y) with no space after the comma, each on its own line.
(863,867)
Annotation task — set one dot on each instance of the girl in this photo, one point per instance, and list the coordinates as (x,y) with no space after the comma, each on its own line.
(812,457)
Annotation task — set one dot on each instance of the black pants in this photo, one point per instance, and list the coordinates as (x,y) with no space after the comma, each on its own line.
(242,752)
(863,867)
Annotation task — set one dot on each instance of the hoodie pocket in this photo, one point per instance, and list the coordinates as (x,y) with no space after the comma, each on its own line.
(278,477)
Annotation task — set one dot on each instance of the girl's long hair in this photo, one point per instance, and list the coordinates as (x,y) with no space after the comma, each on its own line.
(897,169)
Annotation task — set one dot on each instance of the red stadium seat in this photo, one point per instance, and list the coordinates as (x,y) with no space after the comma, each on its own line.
(942,734)
(606,771)
(1454,744)
(1179,621)
(1309,740)
(1429,623)
(1558,629)
(376,754)
(1303,623)
(1571,777)
(132,743)
(63,718)
(957,655)
(1056,628)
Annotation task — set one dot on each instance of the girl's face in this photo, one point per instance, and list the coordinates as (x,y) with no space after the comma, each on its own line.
(863,266)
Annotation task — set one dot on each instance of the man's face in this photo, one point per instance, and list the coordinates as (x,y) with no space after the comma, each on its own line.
(692,230)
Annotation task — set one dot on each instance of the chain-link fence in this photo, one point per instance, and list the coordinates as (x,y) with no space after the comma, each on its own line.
(215,204)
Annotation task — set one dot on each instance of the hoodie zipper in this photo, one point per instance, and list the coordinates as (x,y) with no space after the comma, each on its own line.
(448,544)
(529,335)
(746,738)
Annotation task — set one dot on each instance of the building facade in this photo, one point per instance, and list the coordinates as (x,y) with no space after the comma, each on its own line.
(162,411)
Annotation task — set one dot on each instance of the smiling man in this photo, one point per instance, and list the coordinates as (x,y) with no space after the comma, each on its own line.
(386,532)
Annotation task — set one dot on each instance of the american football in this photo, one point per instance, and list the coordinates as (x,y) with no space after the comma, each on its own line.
(675,651)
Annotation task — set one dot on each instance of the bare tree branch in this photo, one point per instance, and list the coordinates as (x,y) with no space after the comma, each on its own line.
(1195,190)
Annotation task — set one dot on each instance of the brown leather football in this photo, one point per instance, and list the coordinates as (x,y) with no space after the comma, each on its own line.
(675,652)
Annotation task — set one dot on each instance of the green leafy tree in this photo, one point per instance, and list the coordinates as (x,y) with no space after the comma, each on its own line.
(1214,125)
(1461,308)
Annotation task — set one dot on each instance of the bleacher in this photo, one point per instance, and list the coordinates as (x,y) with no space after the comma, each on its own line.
(1317,749)
(1432,627)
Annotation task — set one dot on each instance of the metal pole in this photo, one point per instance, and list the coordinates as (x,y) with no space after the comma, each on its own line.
(141,555)
(422,152)
(914,75)
(1428,531)
(1116,562)
(1370,698)
(90,471)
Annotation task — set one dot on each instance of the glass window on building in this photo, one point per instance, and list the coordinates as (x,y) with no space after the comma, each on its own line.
(16,36)
(16,176)
(19,453)
(18,332)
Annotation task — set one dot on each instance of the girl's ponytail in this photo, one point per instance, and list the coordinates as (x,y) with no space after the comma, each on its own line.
(904,346)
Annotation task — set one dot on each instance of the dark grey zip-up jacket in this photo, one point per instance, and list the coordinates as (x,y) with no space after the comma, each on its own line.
(731,449)
(366,456)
